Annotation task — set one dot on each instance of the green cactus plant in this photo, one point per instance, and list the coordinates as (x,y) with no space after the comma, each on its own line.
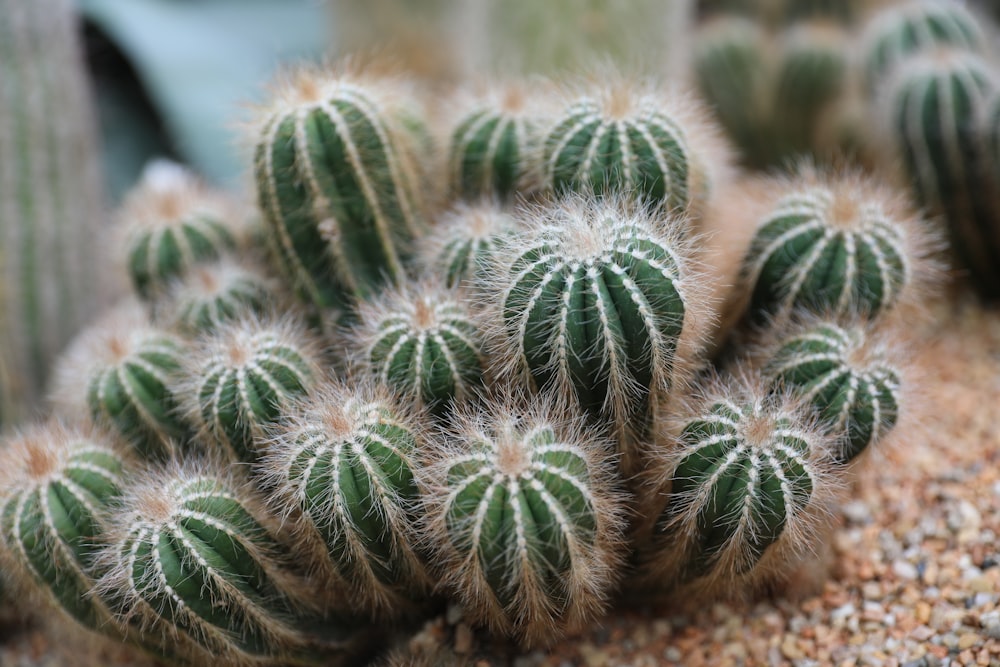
(838,247)
(464,244)
(170,223)
(243,378)
(422,342)
(936,108)
(344,463)
(124,371)
(747,484)
(525,519)
(212,295)
(338,184)
(853,387)
(492,144)
(594,303)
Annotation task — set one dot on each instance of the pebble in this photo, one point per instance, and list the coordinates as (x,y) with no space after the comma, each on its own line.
(904,570)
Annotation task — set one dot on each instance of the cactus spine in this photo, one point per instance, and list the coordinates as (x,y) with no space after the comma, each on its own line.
(423,343)
(245,377)
(525,520)
(337,183)
(854,389)
(828,249)
(345,460)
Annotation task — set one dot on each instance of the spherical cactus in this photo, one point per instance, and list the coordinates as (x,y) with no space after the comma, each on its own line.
(170,223)
(630,141)
(124,371)
(191,557)
(464,244)
(336,179)
(852,386)
(211,295)
(422,342)
(747,481)
(937,106)
(838,246)
(57,484)
(244,377)
(343,462)
(492,144)
(593,304)
(525,519)
(901,31)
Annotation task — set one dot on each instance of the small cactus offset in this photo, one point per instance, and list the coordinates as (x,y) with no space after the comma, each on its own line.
(593,305)
(57,484)
(124,370)
(627,140)
(171,223)
(937,107)
(463,246)
(746,487)
(897,33)
(211,295)
(839,247)
(422,342)
(244,377)
(855,390)
(189,557)
(525,519)
(344,463)
(338,184)
(492,144)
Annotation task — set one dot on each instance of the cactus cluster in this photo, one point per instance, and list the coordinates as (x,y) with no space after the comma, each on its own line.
(474,357)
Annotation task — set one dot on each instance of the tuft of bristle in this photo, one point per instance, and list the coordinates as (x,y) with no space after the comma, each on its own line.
(524,515)
(341,465)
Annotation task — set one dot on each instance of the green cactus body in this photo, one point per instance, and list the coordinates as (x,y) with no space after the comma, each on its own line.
(922,26)
(424,344)
(336,182)
(213,295)
(464,246)
(192,560)
(820,252)
(855,397)
(523,514)
(244,378)
(637,148)
(346,463)
(490,149)
(742,477)
(593,305)
(53,511)
(937,107)
(132,390)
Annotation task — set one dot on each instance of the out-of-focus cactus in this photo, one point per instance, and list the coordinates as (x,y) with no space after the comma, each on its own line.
(51,262)
(463,245)
(212,295)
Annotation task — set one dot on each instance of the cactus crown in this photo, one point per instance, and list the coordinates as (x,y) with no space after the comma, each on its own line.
(525,518)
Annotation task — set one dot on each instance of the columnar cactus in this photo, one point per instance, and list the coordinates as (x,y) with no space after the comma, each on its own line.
(901,31)
(626,140)
(525,519)
(338,185)
(211,295)
(746,485)
(593,304)
(57,484)
(854,389)
(422,342)
(937,106)
(169,224)
(190,557)
(124,371)
(343,462)
(464,244)
(837,247)
(492,144)
(244,377)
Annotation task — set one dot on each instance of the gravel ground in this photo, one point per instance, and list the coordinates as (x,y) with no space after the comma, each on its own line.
(914,570)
